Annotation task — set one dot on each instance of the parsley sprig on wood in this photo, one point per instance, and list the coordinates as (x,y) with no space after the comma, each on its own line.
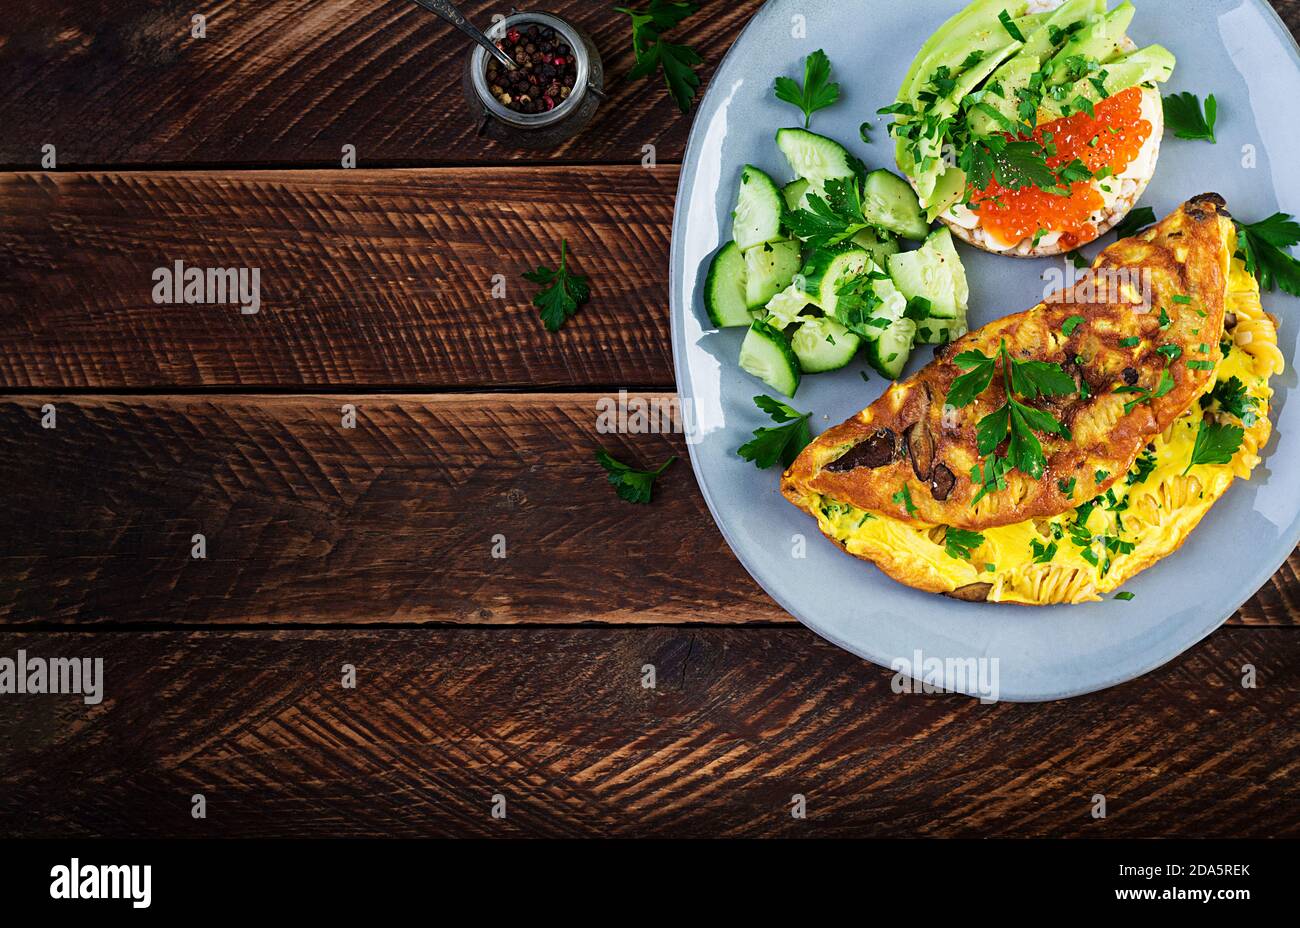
(1014,422)
(653,51)
(565,291)
(635,486)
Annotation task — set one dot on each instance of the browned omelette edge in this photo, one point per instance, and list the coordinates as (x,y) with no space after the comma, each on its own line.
(902,438)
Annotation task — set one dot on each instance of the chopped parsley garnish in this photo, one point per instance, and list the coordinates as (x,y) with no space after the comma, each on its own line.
(1068,327)
(677,61)
(1101,476)
(780,443)
(1172,352)
(1043,553)
(1262,246)
(1164,320)
(831,218)
(959,543)
(1125,596)
(817,92)
(1079,261)
(1012,29)
(1181,298)
(1066,487)
(567,291)
(1131,342)
(1201,365)
(864,133)
(1135,222)
(635,486)
(1013,421)
(1144,395)
(1233,399)
(904,497)
(1142,467)
(1216,443)
(1183,115)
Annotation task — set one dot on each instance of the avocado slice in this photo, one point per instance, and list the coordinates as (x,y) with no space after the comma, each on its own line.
(1153,64)
(1015,74)
(1099,40)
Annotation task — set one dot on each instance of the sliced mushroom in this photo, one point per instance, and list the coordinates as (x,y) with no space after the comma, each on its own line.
(942,480)
(877,451)
(972,592)
(920,448)
(1230,321)
(1130,375)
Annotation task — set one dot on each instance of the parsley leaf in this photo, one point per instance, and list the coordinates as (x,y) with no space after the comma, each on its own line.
(1124,596)
(959,543)
(782,443)
(567,291)
(635,486)
(1135,222)
(904,498)
(817,92)
(1262,246)
(831,218)
(677,61)
(1043,553)
(1216,443)
(1183,115)
(1068,327)
(1012,30)
(1232,398)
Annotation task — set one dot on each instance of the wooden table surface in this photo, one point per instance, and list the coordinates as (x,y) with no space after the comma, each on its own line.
(476,676)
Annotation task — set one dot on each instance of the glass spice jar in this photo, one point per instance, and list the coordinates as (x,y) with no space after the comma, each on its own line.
(535,105)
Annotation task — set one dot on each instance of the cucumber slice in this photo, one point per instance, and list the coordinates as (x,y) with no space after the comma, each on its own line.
(757,217)
(880,245)
(793,192)
(889,353)
(783,310)
(815,158)
(769,269)
(941,241)
(847,264)
(724,288)
(924,273)
(939,331)
(823,344)
(767,355)
(890,202)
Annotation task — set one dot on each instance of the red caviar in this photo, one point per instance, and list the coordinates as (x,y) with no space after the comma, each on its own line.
(1119,130)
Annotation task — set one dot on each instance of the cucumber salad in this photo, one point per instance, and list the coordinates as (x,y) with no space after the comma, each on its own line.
(816,269)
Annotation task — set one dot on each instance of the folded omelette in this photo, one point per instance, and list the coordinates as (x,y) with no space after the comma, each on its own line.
(1158,361)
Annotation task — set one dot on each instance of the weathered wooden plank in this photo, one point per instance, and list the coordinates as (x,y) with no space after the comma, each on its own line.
(292,81)
(394,521)
(559,723)
(366,278)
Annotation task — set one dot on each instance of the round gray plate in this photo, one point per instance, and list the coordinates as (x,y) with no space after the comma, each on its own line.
(1236,49)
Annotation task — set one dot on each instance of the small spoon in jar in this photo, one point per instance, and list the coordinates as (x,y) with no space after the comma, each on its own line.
(448,11)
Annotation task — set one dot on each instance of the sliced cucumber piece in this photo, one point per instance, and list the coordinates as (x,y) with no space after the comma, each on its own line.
(939,331)
(924,273)
(768,356)
(823,344)
(889,353)
(757,217)
(841,267)
(890,202)
(941,241)
(783,310)
(724,288)
(880,245)
(793,193)
(815,158)
(769,269)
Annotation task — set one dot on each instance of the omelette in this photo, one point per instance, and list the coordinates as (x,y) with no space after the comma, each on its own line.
(1162,340)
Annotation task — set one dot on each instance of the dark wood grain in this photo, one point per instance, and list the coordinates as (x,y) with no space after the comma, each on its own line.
(367,278)
(393,521)
(558,723)
(292,81)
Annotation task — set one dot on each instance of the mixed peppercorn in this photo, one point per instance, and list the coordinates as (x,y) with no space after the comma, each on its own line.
(546,73)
